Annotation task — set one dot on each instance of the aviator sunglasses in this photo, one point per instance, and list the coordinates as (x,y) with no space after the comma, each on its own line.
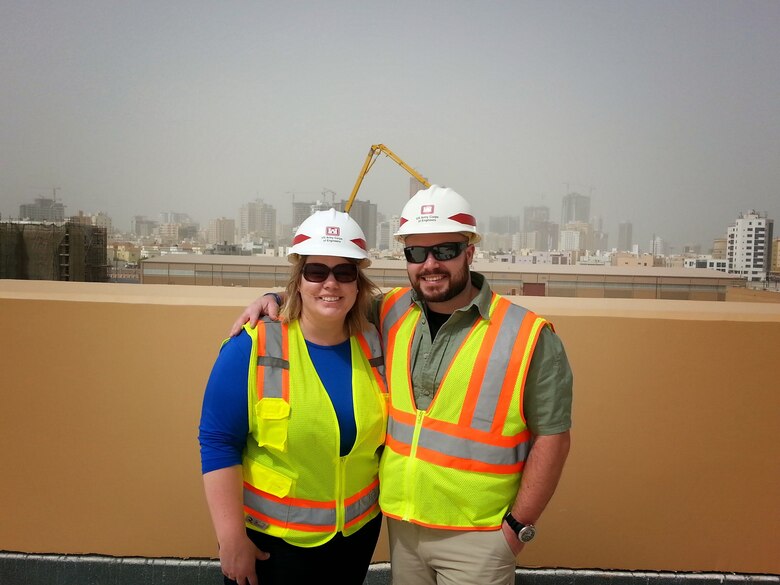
(442,252)
(316,272)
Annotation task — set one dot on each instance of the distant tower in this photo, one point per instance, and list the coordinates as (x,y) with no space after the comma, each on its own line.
(364,213)
(657,246)
(44,209)
(575,208)
(174,217)
(414,186)
(504,224)
(625,236)
(719,249)
(749,251)
(383,235)
(222,231)
(535,217)
(257,219)
(142,227)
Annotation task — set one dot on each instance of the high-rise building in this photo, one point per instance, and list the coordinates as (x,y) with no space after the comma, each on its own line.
(69,251)
(775,266)
(383,235)
(534,217)
(222,231)
(719,248)
(599,241)
(174,217)
(44,209)
(168,233)
(543,238)
(749,246)
(385,238)
(567,241)
(257,220)
(504,224)
(414,186)
(301,210)
(174,227)
(657,246)
(575,208)
(364,213)
(570,240)
(625,236)
(142,227)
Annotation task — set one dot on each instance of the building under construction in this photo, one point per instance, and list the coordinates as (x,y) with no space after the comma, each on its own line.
(53,251)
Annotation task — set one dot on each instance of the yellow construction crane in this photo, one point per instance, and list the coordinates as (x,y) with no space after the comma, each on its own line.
(373,153)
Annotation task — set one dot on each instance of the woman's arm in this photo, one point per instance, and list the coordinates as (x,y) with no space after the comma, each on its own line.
(237,553)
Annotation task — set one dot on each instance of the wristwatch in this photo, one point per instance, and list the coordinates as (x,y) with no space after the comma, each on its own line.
(525,532)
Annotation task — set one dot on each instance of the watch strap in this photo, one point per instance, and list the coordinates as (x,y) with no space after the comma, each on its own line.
(513,522)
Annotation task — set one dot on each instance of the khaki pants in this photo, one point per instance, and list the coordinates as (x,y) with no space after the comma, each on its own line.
(428,556)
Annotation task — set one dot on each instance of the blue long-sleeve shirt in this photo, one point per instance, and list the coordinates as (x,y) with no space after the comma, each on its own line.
(224,421)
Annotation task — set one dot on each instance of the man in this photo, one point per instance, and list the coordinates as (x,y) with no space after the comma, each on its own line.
(480,407)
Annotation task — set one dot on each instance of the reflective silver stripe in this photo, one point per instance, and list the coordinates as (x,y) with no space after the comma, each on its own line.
(272,362)
(272,372)
(458,447)
(495,372)
(286,514)
(395,313)
(361,506)
(376,359)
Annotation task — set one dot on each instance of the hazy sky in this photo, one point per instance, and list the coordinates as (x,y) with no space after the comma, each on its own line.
(666,112)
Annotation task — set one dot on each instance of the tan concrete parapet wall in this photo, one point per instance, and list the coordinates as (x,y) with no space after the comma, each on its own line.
(675,461)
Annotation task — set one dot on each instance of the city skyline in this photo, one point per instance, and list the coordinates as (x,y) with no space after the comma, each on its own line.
(486,225)
(665,113)
(249,221)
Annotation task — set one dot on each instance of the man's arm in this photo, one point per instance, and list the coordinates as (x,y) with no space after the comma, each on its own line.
(541,474)
(267,305)
(264,305)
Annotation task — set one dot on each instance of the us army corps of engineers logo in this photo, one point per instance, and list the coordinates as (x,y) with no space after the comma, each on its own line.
(332,234)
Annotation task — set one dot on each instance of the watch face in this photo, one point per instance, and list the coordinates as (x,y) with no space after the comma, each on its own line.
(527,534)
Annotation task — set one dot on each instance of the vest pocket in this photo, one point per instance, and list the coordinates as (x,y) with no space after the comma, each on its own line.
(273,416)
(267,479)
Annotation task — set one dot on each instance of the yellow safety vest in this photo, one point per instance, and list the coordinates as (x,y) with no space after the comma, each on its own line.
(296,484)
(458,465)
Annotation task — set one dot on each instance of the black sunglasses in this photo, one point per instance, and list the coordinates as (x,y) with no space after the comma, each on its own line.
(316,272)
(442,252)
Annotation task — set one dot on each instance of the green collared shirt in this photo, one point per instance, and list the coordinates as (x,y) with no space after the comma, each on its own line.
(548,389)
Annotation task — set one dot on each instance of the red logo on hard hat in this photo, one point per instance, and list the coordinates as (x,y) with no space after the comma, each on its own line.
(426,209)
(333,230)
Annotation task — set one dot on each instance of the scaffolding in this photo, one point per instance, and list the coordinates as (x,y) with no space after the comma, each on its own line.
(53,251)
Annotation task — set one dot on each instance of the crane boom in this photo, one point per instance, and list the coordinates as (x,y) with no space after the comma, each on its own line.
(373,153)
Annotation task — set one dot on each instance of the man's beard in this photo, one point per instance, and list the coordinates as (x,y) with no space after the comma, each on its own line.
(458,281)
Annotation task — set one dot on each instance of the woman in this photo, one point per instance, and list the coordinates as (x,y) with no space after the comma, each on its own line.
(293,423)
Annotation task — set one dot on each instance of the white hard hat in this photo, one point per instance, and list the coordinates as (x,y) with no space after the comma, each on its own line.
(437,210)
(330,233)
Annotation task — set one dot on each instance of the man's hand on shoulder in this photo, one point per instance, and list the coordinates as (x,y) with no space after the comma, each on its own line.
(264,305)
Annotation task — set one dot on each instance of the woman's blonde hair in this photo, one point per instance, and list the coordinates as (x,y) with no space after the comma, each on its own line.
(357,318)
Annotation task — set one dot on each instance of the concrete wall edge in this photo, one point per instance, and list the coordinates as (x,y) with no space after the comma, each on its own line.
(17,568)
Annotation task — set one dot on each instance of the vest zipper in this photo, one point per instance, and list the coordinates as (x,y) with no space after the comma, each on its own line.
(340,483)
(410,475)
